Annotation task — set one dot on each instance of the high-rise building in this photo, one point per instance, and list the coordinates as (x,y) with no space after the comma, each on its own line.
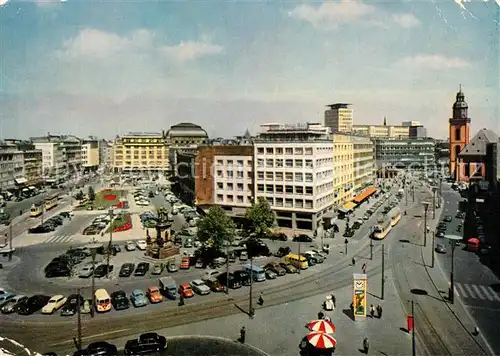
(294,173)
(459,132)
(53,158)
(339,117)
(404,153)
(11,169)
(90,154)
(141,152)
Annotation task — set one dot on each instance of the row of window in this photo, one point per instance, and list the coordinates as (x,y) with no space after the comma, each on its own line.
(230,174)
(290,203)
(230,162)
(286,150)
(287,176)
(229,198)
(230,186)
(287,163)
(288,189)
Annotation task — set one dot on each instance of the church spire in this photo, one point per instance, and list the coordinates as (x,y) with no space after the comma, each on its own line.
(385,121)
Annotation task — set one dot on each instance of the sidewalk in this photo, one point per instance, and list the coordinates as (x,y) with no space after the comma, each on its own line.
(441,327)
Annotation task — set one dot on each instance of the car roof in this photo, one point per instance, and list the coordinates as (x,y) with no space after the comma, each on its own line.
(138,291)
(57,296)
(153,288)
(185,258)
(197,281)
(185,285)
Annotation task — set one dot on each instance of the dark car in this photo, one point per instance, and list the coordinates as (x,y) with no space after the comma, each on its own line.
(57,269)
(57,220)
(283,251)
(302,238)
(119,300)
(349,233)
(142,269)
(99,348)
(102,270)
(229,280)
(278,236)
(146,344)
(127,269)
(71,305)
(33,304)
(40,229)
(311,261)
(243,277)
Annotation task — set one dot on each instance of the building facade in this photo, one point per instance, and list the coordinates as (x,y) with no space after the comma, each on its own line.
(404,153)
(90,154)
(141,152)
(343,169)
(473,161)
(382,131)
(459,132)
(105,153)
(72,151)
(184,136)
(32,164)
(363,163)
(294,173)
(339,117)
(53,159)
(11,168)
(224,176)
(442,153)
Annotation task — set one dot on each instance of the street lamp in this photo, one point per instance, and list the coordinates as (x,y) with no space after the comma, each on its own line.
(426,207)
(111,215)
(371,244)
(434,191)
(452,239)
(93,247)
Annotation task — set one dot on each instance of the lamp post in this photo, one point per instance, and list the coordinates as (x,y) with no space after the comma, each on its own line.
(371,244)
(346,242)
(426,207)
(434,191)
(93,247)
(382,285)
(451,291)
(413,339)
(251,312)
(433,252)
(111,215)
(10,241)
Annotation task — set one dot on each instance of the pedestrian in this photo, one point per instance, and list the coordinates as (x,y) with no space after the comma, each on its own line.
(372,311)
(352,307)
(366,345)
(379,311)
(475,332)
(242,335)
(334,300)
(181,300)
(353,261)
(261,300)
(321,315)
(363,268)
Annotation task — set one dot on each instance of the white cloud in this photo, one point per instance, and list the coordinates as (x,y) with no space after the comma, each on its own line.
(405,20)
(3,2)
(332,14)
(97,44)
(434,62)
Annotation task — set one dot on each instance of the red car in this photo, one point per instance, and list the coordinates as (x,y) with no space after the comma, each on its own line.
(185,290)
(185,263)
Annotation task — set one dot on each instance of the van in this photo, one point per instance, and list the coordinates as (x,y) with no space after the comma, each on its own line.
(168,287)
(102,301)
(297,261)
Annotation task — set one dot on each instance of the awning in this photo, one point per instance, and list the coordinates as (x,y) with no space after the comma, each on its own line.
(364,194)
(347,207)
(20,180)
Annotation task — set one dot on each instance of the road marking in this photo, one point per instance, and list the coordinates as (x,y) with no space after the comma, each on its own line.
(495,295)
(478,292)
(486,292)
(57,239)
(461,288)
(470,291)
(91,337)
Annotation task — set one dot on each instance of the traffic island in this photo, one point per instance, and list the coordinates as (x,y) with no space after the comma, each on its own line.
(122,222)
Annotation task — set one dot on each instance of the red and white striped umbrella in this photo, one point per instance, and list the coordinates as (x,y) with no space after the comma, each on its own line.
(321,340)
(323,326)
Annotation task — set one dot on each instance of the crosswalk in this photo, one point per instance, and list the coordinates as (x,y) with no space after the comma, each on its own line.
(58,239)
(475,291)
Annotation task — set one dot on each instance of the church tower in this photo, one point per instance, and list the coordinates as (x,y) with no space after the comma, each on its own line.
(459,132)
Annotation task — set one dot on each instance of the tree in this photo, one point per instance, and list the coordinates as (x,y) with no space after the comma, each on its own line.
(216,227)
(91,193)
(80,195)
(261,218)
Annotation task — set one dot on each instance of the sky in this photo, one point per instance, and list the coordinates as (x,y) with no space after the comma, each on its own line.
(109,67)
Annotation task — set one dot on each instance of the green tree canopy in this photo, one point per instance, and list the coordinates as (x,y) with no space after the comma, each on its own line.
(216,227)
(260,217)
(91,193)
(80,195)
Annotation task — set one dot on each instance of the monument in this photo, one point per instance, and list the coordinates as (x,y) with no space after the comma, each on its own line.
(161,247)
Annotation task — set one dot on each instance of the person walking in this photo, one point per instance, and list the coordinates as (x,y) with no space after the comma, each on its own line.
(181,300)
(321,315)
(372,311)
(379,311)
(242,335)
(363,268)
(261,299)
(366,345)
(334,300)
(353,261)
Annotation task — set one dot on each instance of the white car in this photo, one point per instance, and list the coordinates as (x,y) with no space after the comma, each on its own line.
(141,245)
(200,287)
(54,304)
(86,271)
(130,246)
(210,273)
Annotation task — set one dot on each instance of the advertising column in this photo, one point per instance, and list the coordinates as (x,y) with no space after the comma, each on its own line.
(359,295)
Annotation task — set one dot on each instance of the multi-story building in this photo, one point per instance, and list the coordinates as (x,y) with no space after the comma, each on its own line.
(72,151)
(184,136)
(404,153)
(363,162)
(411,123)
(141,152)
(53,158)
(224,176)
(383,131)
(442,153)
(90,154)
(105,156)
(339,117)
(185,176)
(343,169)
(294,173)
(11,168)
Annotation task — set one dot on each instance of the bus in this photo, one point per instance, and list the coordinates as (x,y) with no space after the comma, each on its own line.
(102,301)
(37,209)
(395,215)
(382,228)
(51,202)
(257,272)
(297,261)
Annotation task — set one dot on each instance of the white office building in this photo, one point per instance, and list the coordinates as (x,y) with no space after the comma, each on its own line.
(294,172)
(53,160)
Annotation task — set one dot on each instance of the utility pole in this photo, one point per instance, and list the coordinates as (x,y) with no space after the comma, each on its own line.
(426,207)
(406,195)
(227,269)
(371,246)
(383,274)
(346,242)
(110,239)
(79,325)
(434,191)
(413,192)
(299,255)
(10,241)
(451,295)
(43,210)
(433,252)
(413,341)
(250,301)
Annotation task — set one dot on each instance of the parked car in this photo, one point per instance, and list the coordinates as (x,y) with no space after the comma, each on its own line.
(98,348)
(186,290)
(243,256)
(283,251)
(71,305)
(229,281)
(185,263)
(54,304)
(289,268)
(154,294)
(199,264)
(86,270)
(146,344)
(141,245)
(130,246)
(276,268)
(214,284)
(157,269)
(126,269)
(171,266)
(57,269)
(103,270)
(33,304)
(5,296)
(200,287)
(243,277)
(448,218)
(119,300)
(270,274)
(138,298)
(302,238)
(11,305)
(142,269)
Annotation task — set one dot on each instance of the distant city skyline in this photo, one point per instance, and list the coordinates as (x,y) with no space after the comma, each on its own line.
(108,68)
